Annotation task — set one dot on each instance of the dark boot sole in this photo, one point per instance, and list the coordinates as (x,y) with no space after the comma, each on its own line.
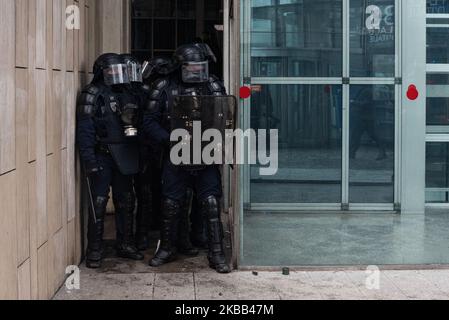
(155,262)
(130,257)
(214,267)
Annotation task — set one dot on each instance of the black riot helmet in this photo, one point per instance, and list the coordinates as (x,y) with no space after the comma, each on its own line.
(158,66)
(194,62)
(134,67)
(111,69)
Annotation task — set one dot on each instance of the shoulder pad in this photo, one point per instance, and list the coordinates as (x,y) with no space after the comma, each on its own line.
(158,87)
(92,89)
(86,106)
(216,86)
(160,84)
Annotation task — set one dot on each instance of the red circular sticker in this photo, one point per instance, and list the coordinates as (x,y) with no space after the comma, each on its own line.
(412,92)
(245,92)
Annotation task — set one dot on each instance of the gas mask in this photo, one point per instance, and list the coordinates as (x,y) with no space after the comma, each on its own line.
(129,117)
(195,72)
(116,74)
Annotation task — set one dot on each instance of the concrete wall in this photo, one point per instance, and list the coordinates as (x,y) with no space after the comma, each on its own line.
(42,67)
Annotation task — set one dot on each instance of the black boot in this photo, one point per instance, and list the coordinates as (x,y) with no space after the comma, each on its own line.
(184,245)
(95,231)
(167,250)
(210,208)
(144,208)
(124,206)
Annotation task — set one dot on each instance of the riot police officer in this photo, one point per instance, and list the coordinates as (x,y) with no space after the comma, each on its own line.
(157,68)
(142,180)
(191,78)
(106,135)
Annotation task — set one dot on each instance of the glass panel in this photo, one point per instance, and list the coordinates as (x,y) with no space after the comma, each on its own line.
(302,38)
(164,8)
(163,53)
(372,38)
(141,34)
(371,144)
(186,31)
(308,118)
(186,8)
(142,55)
(437,100)
(437,6)
(142,8)
(213,10)
(437,172)
(164,27)
(437,45)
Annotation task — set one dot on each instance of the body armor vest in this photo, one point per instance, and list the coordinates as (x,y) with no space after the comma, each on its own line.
(111,131)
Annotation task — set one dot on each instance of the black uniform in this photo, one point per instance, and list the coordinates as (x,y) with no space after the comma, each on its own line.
(105,116)
(206,180)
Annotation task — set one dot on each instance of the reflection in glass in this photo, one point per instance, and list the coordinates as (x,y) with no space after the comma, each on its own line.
(308,118)
(437,45)
(296,38)
(437,100)
(372,38)
(437,6)
(437,172)
(371,144)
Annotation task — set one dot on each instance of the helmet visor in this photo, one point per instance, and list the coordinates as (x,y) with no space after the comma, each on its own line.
(135,72)
(195,72)
(116,74)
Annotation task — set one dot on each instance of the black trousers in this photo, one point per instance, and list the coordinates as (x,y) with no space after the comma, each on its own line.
(176,180)
(109,177)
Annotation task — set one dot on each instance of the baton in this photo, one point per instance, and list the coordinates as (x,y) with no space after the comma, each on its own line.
(91,198)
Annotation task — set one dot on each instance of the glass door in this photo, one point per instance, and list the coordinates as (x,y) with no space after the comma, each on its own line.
(326,75)
(437,120)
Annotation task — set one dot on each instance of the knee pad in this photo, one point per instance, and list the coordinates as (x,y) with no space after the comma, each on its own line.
(211,207)
(100,204)
(171,204)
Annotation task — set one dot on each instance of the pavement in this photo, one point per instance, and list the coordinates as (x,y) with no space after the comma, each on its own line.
(205,284)
(189,278)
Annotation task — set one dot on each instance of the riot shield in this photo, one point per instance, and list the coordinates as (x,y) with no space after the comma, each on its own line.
(210,112)
(126,157)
